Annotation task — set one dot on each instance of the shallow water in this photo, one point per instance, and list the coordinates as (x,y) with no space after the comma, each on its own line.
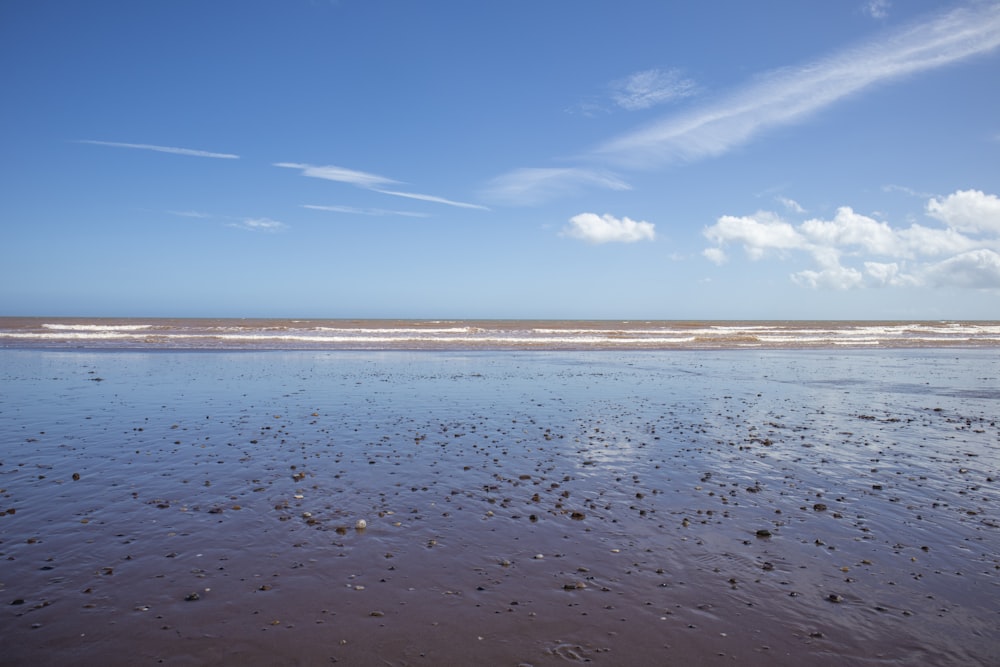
(521,507)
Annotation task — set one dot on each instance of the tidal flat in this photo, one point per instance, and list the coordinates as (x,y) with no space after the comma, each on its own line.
(723,507)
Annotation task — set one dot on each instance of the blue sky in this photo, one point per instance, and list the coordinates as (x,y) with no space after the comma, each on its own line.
(449,159)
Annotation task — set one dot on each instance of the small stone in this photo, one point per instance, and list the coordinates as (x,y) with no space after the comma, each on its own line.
(833,597)
(191,597)
(76,476)
(763,532)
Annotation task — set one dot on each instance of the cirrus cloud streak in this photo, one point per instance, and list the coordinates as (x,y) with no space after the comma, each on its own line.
(161,149)
(790,95)
(372,182)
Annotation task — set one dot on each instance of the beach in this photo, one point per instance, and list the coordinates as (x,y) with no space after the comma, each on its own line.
(721,506)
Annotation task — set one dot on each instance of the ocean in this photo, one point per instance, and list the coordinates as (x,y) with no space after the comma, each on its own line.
(395,334)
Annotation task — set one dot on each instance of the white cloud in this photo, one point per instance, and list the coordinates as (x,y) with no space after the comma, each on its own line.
(780,97)
(792,94)
(906,191)
(431,198)
(260,225)
(368,181)
(853,250)
(976,269)
(715,255)
(593,228)
(364,211)
(835,277)
(888,274)
(161,149)
(651,87)
(968,211)
(758,234)
(525,187)
(852,229)
(339,174)
(791,205)
(877,9)
(190,214)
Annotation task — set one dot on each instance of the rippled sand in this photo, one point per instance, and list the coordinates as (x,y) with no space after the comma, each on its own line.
(751,508)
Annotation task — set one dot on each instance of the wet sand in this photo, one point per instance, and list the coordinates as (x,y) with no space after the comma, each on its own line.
(712,508)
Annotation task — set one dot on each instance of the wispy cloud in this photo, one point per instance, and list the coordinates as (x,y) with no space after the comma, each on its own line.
(339,174)
(371,182)
(191,214)
(606,228)
(431,198)
(877,9)
(248,224)
(161,149)
(259,225)
(364,211)
(781,97)
(853,250)
(638,91)
(525,187)
(790,95)
(906,191)
(791,205)
(651,87)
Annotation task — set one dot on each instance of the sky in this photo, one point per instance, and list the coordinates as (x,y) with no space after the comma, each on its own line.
(567,159)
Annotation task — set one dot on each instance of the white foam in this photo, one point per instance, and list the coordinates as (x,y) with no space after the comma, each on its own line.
(97,327)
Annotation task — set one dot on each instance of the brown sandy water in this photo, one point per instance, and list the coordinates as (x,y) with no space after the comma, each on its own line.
(717,508)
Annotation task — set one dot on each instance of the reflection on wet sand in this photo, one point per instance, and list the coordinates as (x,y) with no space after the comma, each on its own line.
(518,508)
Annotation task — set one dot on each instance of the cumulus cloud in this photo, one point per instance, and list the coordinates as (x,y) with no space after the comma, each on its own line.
(967,211)
(606,228)
(651,87)
(759,234)
(853,250)
(976,268)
